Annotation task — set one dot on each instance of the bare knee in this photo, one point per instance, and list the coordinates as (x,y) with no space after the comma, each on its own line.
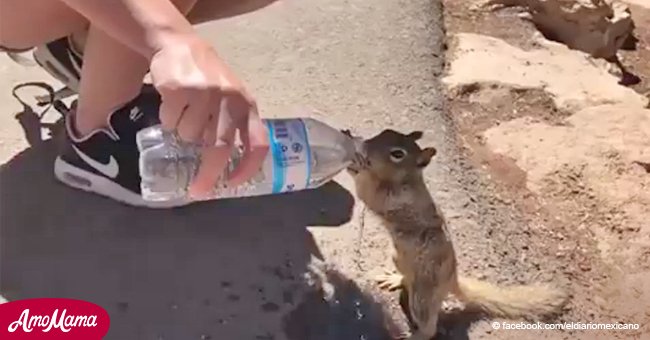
(27,23)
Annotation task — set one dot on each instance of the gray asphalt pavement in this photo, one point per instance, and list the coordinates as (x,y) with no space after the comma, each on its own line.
(231,270)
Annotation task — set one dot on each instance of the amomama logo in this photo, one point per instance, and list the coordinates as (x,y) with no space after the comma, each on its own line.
(52,318)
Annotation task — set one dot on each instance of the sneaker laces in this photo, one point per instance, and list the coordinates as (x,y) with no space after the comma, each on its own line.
(57,104)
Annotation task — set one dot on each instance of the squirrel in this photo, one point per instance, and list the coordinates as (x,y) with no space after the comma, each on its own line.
(388,179)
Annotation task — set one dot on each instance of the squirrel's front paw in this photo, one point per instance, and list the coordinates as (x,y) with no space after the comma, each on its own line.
(390,281)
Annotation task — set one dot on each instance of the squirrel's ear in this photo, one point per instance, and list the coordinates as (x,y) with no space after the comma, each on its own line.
(425,156)
(415,135)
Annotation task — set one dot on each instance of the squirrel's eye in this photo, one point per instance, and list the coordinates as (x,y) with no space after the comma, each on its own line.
(397,154)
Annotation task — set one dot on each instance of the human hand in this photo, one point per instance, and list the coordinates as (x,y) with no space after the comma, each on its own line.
(206,104)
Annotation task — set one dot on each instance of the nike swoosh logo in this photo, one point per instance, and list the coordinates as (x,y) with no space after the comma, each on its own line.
(111,169)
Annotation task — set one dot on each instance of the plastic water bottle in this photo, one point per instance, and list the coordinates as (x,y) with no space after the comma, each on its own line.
(304,153)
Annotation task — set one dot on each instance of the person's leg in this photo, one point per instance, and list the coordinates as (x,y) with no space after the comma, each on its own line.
(101,155)
(63,58)
(111,75)
(210,10)
(27,23)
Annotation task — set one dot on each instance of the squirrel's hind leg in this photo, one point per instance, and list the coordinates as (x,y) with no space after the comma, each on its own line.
(424,304)
(428,330)
(406,309)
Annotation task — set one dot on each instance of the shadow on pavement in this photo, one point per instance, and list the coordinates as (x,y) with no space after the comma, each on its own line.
(338,309)
(214,270)
(457,323)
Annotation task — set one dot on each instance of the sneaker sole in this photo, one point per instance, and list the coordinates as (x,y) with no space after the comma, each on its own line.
(48,62)
(89,182)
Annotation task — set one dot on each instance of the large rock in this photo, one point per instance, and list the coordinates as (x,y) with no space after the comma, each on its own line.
(640,3)
(572,78)
(597,27)
(598,152)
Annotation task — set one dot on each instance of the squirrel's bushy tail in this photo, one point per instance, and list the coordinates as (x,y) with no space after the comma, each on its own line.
(514,302)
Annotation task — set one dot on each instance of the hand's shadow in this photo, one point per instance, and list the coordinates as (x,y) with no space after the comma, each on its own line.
(222,270)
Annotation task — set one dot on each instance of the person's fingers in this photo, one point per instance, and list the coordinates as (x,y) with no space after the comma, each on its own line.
(254,135)
(215,157)
(173,103)
(210,134)
(213,161)
(192,124)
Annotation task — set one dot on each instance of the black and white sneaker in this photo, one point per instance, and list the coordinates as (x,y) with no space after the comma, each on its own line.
(105,161)
(61,60)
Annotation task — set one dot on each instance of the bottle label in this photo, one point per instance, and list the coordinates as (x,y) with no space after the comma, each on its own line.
(291,154)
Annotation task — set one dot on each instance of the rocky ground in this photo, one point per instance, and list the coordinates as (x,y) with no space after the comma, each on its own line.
(540,172)
(565,143)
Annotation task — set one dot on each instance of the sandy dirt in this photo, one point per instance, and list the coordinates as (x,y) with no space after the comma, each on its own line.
(301,266)
(571,159)
(239,269)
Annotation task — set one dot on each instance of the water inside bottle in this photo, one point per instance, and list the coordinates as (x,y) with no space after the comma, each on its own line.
(168,166)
